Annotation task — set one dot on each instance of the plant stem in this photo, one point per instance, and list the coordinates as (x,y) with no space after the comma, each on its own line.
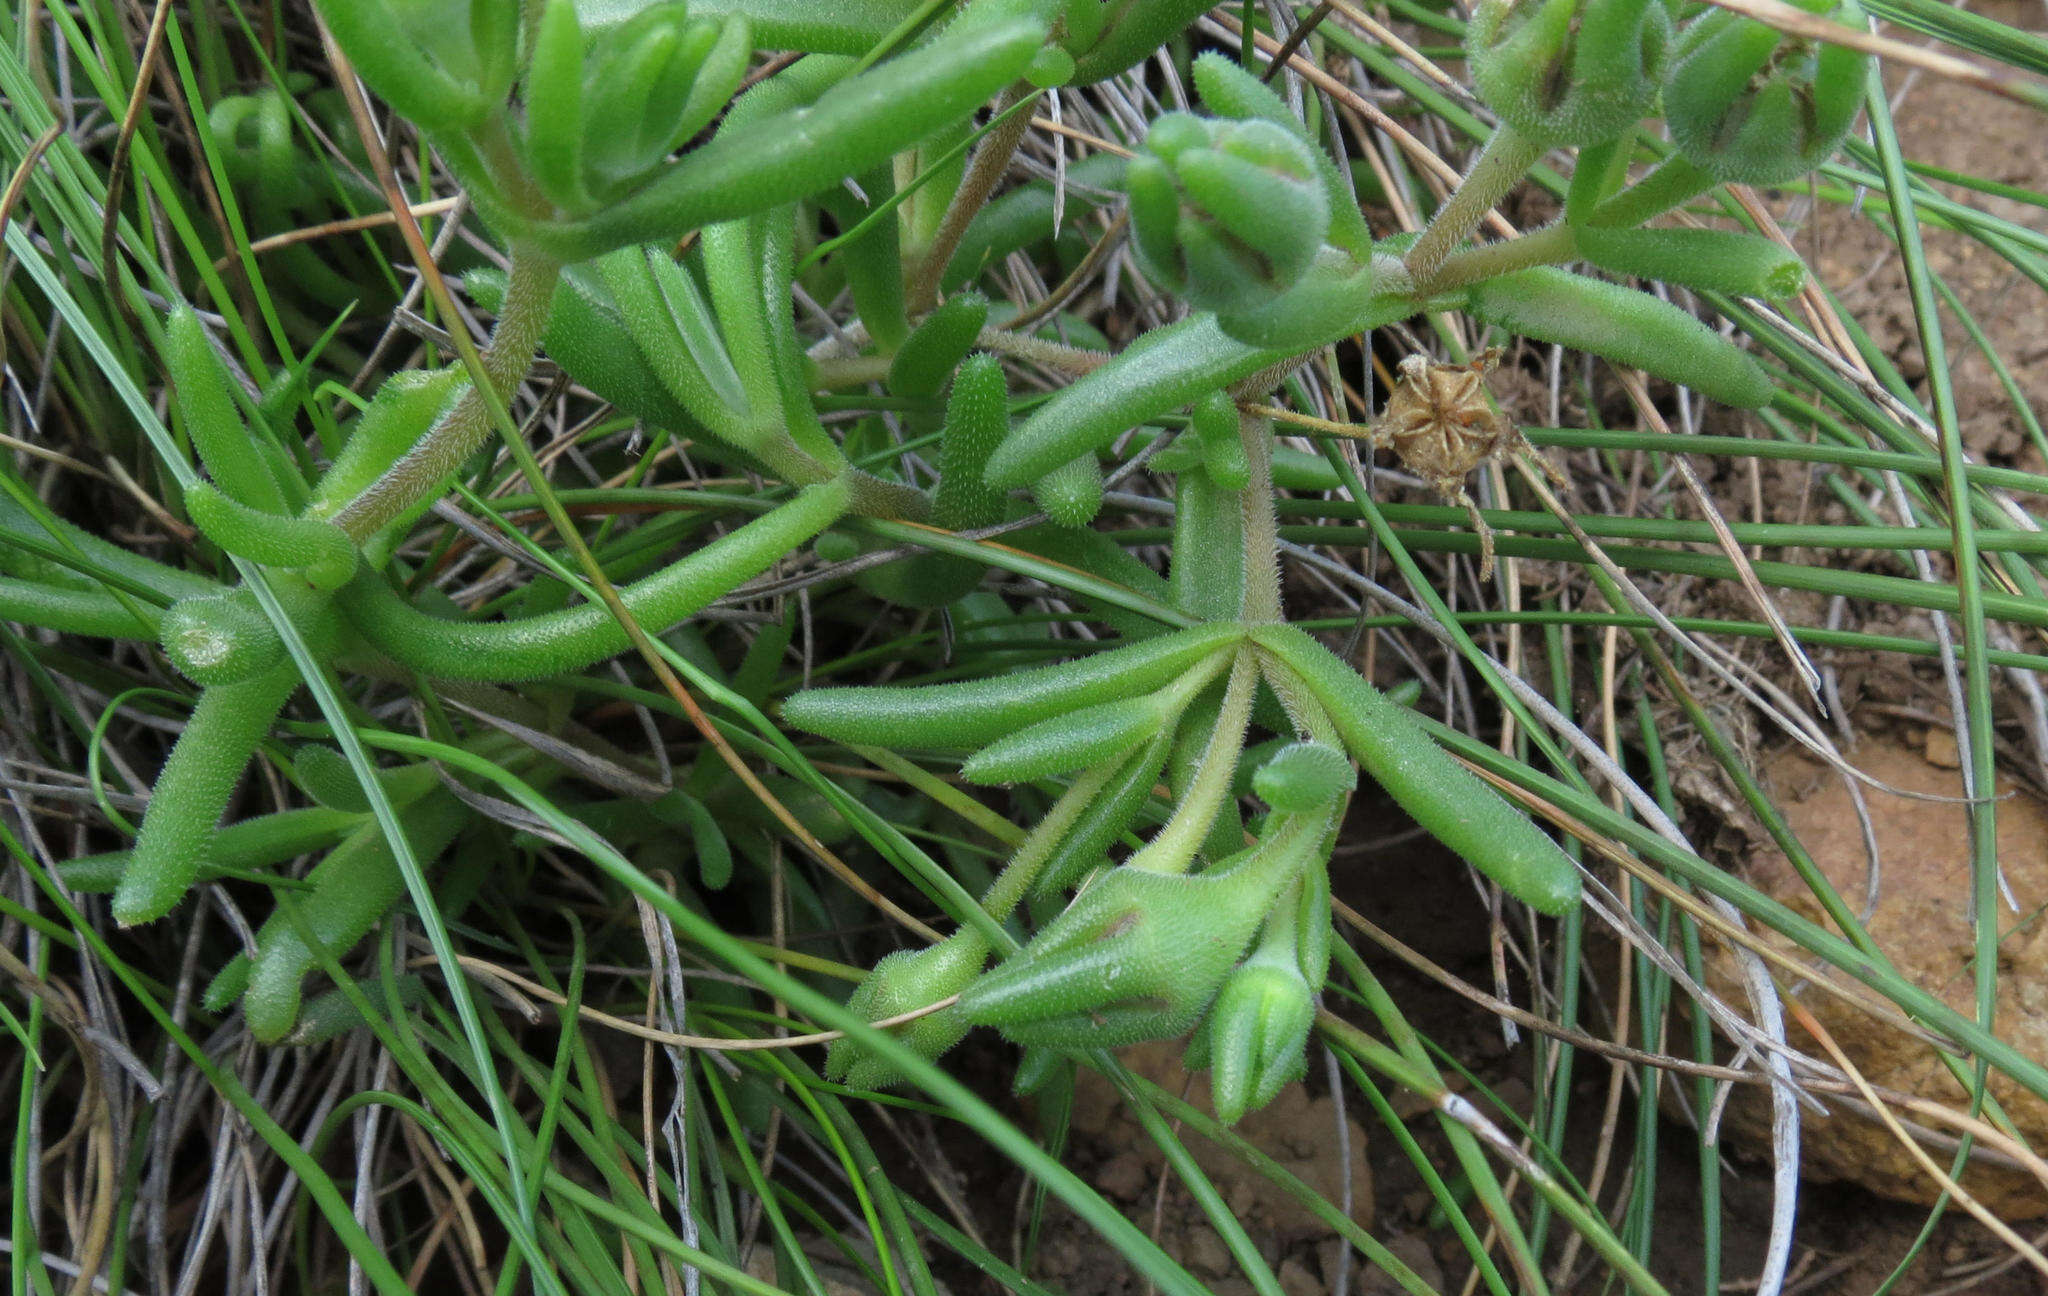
(1674,181)
(1547,246)
(1038,350)
(1506,158)
(1261,522)
(1173,848)
(1037,847)
(984,171)
(529,292)
(877,497)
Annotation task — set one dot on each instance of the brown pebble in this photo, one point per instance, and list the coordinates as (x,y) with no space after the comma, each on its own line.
(1124,1176)
(1207,1255)
(1296,1280)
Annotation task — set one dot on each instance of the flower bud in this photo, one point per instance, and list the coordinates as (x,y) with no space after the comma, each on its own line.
(907,980)
(1258,1032)
(1304,775)
(1575,72)
(1228,213)
(1749,104)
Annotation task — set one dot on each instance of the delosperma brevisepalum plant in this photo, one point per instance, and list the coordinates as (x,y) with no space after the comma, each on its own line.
(666,191)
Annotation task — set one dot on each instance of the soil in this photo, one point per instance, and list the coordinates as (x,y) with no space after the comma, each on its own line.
(1921,920)
(2002,142)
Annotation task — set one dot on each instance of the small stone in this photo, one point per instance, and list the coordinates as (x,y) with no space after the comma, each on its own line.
(1208,1255)
(1329,1258)
(1241,1197)
(1410,1249)
(1941,749)
(1124,1176)
(1296,1280)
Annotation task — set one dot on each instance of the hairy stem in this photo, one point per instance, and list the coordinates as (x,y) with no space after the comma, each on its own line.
(1261,521)
(1038,845)
(1547,246)
(1053,355)
(984,172)
(1506,158)
(1173,849)
(1309,717)
(521,319)
(1674,181)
